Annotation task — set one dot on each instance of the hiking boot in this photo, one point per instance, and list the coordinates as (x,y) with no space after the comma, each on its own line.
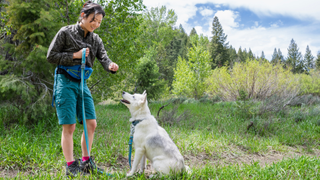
(89,166)
(74,169)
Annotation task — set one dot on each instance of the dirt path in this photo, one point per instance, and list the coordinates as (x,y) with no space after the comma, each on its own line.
(243,158)
(200,160)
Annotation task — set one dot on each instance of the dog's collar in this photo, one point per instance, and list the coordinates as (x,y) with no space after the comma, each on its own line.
(137,121)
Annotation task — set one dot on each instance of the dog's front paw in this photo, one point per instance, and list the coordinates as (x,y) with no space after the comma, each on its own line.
(130,173)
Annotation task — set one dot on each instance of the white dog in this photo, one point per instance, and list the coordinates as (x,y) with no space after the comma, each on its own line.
(150,140)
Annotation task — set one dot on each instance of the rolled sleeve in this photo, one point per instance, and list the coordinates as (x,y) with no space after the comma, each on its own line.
(55,53)
(103,57)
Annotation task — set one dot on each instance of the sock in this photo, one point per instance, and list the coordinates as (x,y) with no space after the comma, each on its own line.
(85,158)
(69,163)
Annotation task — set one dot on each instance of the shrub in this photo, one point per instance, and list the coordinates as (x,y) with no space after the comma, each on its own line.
(170,117)
(310,84)
(178,100)
(244,106)
(307,99)
(23,102)
(208,99)
(260,80)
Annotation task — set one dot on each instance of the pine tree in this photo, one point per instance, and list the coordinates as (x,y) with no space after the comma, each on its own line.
(233,56)
(280,56)
(318,61)
(26,85)
(309,59)
(241,56)
(250,55)
(172,52)
(294,59)
(263,57)
(184,39)
(148,75)
(245,54)
(218,47)
(193,32)
(275,58)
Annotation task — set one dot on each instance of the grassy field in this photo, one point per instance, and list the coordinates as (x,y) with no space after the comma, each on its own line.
(216,141)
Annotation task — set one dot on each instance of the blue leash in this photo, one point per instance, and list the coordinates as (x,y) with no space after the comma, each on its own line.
(83,65)
(134,123)
(130,149)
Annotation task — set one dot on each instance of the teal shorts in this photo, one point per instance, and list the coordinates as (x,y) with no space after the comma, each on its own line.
(68,101)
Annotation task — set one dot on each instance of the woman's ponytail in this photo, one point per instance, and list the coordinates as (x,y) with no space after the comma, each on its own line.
(88,2)
(89,7)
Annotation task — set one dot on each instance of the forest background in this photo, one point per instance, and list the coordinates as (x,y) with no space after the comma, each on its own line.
(153,55)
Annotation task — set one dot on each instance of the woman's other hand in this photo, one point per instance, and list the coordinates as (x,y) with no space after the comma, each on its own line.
(113,67)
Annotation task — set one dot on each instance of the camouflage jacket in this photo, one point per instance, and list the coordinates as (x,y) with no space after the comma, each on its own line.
(70,39)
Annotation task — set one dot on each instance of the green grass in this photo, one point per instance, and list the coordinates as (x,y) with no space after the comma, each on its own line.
(213,130)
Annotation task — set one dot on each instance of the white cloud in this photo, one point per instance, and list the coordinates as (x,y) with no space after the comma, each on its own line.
(277,24)
(227,19)
(266,39)
(294,8)
(205,11)
(257,38)
(199,30)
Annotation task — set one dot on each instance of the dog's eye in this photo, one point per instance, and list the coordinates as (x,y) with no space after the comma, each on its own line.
(133,97)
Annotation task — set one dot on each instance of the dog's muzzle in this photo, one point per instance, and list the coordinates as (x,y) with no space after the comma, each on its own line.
(125,101)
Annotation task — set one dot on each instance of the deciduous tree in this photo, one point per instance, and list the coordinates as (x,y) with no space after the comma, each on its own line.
(189,76)
(121,35)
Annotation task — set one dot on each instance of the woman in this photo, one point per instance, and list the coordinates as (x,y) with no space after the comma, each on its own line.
(66,51)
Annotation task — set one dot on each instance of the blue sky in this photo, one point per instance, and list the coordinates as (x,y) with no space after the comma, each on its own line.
(259,25)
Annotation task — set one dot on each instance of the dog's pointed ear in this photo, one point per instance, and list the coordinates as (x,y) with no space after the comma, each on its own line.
(144,92)
(144,99)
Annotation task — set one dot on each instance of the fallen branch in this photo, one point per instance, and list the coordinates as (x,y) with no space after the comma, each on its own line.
(94,84)
(162,108)
(251,125)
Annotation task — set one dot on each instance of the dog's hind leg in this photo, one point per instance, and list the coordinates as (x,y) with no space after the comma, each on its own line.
(143,163)
(139,152)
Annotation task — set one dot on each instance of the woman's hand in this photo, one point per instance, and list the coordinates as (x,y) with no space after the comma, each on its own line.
(78,55)
(113,67)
